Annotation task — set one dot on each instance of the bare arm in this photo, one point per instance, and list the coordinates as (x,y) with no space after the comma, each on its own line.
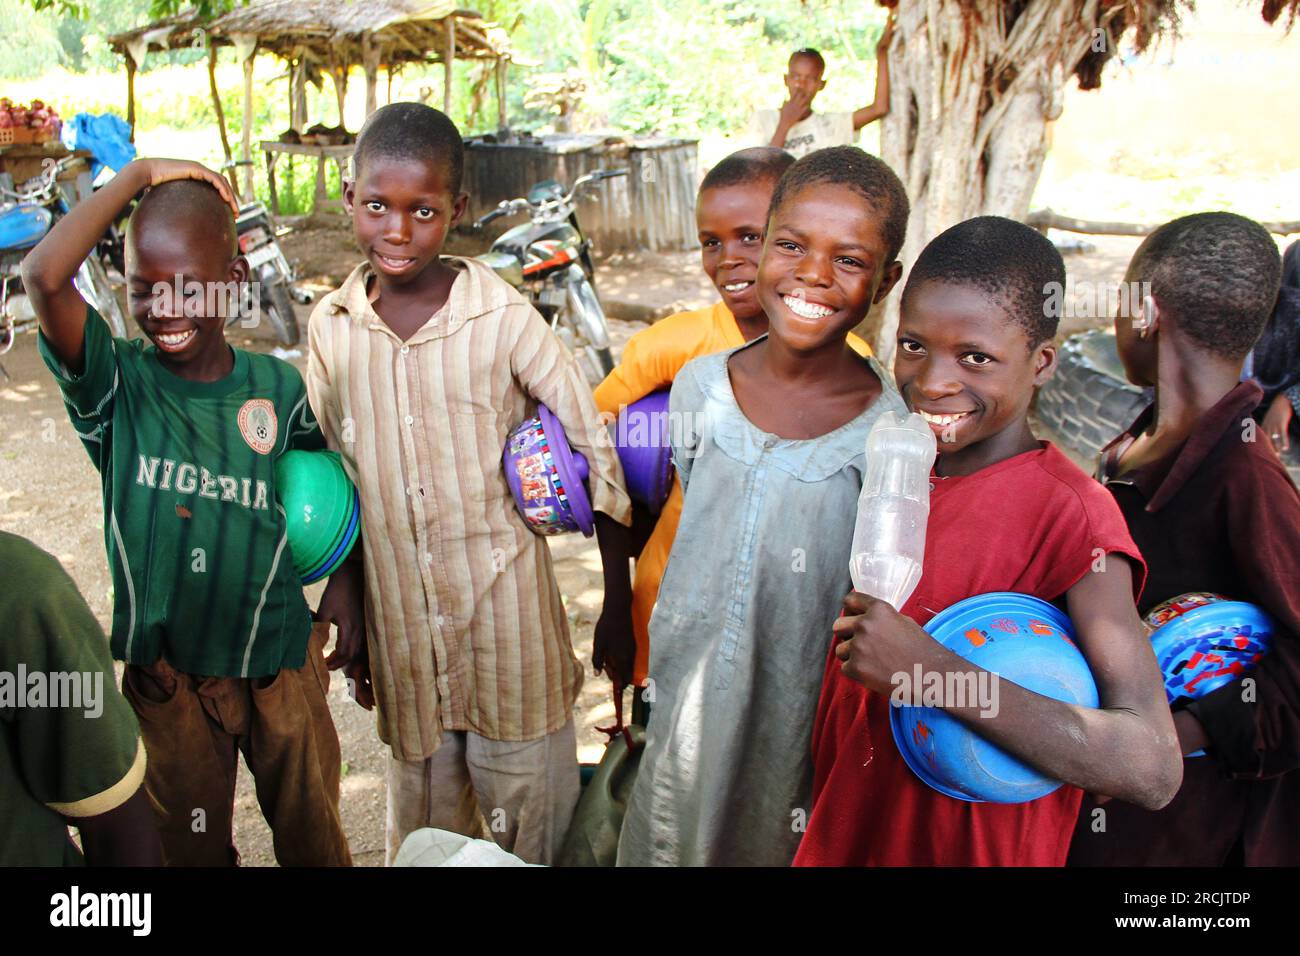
(879,107)
(614,646)
(1126,748)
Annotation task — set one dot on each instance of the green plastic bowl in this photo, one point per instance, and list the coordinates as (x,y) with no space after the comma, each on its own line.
(320,504)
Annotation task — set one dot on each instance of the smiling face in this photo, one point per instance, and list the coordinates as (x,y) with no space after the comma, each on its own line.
(730,220)
(968,369)
(824,263)
(401,212)
(187,324)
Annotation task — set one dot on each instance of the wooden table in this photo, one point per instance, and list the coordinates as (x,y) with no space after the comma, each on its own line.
(336,154)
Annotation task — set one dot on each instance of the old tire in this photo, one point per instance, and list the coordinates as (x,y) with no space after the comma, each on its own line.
(1088,401)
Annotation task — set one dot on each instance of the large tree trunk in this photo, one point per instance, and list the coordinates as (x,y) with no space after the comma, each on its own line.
(972,91)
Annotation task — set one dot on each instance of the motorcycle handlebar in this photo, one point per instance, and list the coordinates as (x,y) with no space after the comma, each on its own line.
(508,207)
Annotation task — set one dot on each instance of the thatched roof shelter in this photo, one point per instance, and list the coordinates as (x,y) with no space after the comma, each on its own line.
(325,36)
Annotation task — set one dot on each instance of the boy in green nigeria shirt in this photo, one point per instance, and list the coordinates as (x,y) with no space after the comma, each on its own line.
(184,430)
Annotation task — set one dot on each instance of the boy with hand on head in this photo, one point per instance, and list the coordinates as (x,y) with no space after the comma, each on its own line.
(419,367)
(208,612)
(731,212)
(1007,513)
(1213,510)
(796,128)
(768,442)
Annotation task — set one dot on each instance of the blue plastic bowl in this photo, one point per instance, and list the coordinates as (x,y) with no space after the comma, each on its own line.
(1202,641)
(1023,640)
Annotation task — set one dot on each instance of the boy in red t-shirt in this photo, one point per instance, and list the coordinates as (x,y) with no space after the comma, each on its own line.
(1007,513)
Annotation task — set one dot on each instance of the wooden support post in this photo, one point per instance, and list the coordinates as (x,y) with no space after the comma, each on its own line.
(247,152)
(300,94)
(448,61)
(130,95)
(216,104)
(389,71)
(370,64)
(501,94)
(339,73)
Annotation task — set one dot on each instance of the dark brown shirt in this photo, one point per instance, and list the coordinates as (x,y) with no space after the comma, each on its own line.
(1220,514)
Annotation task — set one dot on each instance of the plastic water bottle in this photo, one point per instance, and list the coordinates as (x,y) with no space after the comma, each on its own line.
(893,508)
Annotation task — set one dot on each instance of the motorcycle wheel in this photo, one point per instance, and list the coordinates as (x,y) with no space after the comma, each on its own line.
(278,305)
(92,282)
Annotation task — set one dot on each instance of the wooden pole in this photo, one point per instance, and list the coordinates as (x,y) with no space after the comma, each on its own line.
(370,64)
(216,102)
(300,93)
(389,71)
(130,94)
(247,154)
(448,61)
(501,95)
(339,73)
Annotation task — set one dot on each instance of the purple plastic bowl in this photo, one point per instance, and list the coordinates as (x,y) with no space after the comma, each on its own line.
(644,446)
(547,477)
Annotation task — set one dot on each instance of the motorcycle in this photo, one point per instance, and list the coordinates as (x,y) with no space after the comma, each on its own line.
(268,270)
(26,215)
(549,260)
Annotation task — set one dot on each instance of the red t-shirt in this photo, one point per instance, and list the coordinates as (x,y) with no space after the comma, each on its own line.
(1030,524)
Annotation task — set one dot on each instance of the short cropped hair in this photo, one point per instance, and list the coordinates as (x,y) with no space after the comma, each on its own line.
(190,201)
(810,53)
(1218,273)
(1015,267)
(757,164)
(411,131)
(866,175)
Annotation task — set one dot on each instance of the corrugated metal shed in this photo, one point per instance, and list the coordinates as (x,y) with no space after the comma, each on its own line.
(652,209)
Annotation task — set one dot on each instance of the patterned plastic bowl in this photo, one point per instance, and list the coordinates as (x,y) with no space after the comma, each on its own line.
(322,510)
(1022,639)
(1202,641)
(547,477)
(644,446)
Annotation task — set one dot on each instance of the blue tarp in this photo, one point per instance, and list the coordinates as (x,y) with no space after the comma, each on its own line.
(107,136)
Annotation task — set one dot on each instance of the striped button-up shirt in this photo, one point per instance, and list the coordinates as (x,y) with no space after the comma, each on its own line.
(463,615)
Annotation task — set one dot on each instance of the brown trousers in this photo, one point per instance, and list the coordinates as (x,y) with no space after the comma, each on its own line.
(194,728)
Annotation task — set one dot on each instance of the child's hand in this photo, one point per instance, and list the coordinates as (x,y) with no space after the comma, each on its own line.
(167,170)
(1277,423)
(357,674)
(614,644)
(793,109)
(343,605)
(886,35)
(879,642)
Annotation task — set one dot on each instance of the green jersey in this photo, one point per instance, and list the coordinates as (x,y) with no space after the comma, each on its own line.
(69,742)
(202,574)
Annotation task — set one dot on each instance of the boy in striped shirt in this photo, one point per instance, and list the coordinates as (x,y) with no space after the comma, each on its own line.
(419,367)
(184,430)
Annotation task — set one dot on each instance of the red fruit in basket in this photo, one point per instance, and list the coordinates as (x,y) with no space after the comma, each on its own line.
(37,105)
(41,115)
(6,121)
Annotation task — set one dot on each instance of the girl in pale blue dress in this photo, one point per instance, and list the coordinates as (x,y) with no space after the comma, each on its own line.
(760,565)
